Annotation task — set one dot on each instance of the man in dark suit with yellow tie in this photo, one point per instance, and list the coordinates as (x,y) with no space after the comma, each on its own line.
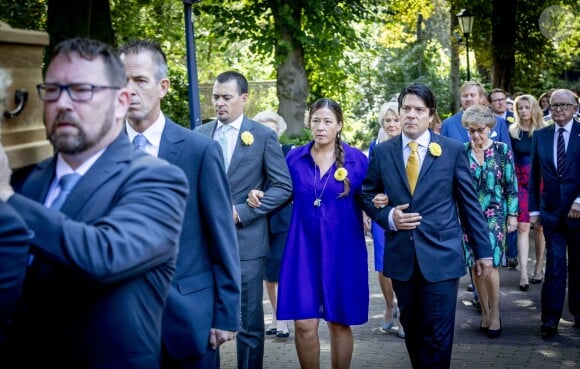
(428,190)
(554,202)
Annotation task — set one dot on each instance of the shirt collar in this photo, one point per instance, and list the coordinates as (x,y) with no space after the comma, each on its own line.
(152,134)
(62,167)
(422,140)
(237,124)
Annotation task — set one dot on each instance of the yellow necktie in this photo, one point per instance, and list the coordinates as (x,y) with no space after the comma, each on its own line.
(413,166)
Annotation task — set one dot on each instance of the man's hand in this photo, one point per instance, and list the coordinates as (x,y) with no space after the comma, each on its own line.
(574,211)
(5,173)
(405,221)
(218,336)
(254,197)
(483,267)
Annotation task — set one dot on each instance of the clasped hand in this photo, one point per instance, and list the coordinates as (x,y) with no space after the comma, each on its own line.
(254,197)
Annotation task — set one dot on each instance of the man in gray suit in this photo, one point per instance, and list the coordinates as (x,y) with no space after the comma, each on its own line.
(203,307)
(253,160)
(104,255)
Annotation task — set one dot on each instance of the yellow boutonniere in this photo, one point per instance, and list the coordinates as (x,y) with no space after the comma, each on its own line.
(435,149)
(510,119)
(340,174)
(247,138)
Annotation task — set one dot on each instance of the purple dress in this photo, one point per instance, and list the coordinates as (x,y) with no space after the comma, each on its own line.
(324,271)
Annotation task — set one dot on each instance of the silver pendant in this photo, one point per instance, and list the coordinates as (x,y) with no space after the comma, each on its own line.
(317,202)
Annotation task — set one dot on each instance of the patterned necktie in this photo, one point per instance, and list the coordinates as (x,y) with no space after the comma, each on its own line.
(561,152)
(66,183)
(223,141)
(139,142)
(413,166)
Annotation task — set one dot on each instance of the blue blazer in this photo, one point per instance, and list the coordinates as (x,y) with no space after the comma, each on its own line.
(13,262)
(94,295)
(444,195)
(555,198)
(205,291)
(260,166)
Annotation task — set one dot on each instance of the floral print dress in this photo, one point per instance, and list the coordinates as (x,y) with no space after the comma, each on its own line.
(496,186)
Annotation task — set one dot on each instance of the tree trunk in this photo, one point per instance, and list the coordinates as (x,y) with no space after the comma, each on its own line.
(73,18)
(503,43)
(291,83)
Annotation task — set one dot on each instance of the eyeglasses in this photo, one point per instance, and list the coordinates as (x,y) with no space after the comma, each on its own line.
(479,131)
(562,107)
(498,100)
(78,92)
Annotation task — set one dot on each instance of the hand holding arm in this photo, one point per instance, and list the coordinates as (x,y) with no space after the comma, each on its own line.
(380,200)
(254,198)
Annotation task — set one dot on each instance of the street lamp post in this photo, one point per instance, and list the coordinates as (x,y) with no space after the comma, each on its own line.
(465,19)
(193,90)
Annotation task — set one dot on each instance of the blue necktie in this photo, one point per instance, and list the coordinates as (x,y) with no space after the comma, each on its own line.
(561,152)
(66,183)
(139,142)
(223,141)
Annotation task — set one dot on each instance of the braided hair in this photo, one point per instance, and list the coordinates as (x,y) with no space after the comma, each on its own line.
(339,150)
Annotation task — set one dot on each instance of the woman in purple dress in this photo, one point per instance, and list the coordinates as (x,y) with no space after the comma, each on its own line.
(324,273)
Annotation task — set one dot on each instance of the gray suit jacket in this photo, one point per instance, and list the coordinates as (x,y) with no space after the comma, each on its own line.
(261,166)
(94,295)
(205,291)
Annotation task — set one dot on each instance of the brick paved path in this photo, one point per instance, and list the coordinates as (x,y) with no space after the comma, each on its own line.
(519,346)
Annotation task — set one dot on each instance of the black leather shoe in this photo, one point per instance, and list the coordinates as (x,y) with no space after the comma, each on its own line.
(548,330)
(512,262)
(524,287)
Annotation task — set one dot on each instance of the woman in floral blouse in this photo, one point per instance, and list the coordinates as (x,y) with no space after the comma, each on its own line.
(494,179)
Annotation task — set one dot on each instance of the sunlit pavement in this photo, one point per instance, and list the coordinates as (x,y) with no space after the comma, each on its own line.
(519,346)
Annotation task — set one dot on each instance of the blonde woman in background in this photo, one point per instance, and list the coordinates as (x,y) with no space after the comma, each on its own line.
(278,221)
(528,118)
(391,127)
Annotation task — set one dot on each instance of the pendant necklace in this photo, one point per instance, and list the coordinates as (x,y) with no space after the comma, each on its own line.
(318,199)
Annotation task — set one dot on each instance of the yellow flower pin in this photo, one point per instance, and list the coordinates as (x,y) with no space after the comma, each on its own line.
(435,149)
(247,138)
(510,119)
(340,174)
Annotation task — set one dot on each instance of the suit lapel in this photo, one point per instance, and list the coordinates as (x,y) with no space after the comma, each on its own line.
(113,160)
(573,144)
(171,144)
(398,159)
(549,146)
(36,186)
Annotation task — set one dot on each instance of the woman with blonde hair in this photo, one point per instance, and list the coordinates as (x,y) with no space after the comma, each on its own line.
(528,118)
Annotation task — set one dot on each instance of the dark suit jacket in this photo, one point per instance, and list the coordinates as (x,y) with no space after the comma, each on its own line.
(205,291)
(557,195)
(94,295)
(260,166)
(14,238)
(444,194)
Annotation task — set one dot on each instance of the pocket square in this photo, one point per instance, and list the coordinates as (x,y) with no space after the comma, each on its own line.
(493,134)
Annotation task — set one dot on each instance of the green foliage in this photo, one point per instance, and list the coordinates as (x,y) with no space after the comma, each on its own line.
(24,14)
